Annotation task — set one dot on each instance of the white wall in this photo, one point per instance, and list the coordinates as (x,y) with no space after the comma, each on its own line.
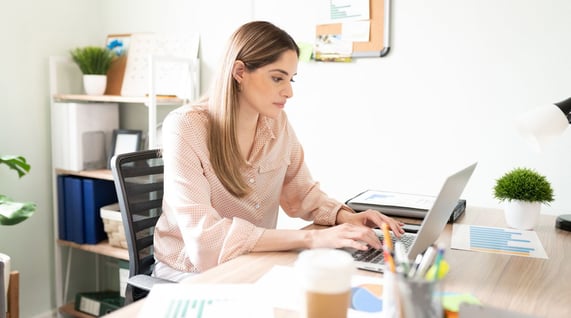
(457,73)
(445,96)
(32,30)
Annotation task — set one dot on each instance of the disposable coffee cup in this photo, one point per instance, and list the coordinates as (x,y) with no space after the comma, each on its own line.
(324,278)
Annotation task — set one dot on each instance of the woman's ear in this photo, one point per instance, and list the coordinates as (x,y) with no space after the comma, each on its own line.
(238,70)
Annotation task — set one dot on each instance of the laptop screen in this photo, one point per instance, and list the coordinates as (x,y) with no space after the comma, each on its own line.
(435,220)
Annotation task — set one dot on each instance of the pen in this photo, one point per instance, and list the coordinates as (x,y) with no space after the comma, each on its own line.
(389,258)
(387,236)
(401,257)
(427,259)
(415,265)
(438,261)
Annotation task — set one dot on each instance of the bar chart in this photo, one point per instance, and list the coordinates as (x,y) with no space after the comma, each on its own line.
(497,240)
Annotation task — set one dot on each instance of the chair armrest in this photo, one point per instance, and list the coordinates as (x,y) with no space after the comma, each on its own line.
(146,282)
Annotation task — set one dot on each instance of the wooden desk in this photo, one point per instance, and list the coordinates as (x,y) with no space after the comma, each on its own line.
(527,285)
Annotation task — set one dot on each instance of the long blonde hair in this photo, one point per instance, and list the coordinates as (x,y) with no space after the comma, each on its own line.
(256,44)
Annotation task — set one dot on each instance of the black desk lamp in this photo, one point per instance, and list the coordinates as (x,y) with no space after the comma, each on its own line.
(541,125)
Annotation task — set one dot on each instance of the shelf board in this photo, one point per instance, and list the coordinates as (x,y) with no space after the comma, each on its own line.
(102,248)
(161,100)
(103,174)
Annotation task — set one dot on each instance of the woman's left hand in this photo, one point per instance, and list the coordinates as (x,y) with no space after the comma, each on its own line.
(370,218)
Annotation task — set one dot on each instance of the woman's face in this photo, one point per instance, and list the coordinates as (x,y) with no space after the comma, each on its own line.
(266,89)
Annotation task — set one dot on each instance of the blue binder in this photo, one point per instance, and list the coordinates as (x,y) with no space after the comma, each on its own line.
(74,209)
(61,207)
(96,193)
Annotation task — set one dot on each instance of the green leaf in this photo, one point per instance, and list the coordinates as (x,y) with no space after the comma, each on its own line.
(17,163)
(93,60)
(523,184)
(12,213)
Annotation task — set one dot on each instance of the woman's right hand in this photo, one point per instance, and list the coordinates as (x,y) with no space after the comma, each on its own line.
(345,235)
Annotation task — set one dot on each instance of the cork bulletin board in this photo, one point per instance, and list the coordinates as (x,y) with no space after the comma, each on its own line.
(379,39)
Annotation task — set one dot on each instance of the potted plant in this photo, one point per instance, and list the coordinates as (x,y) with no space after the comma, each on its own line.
(523,190)
(94,62)
(12,212)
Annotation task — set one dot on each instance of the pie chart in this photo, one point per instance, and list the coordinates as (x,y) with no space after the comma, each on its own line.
(367,298)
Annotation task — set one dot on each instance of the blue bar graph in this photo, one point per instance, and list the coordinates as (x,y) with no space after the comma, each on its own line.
(189,308)
(205,300)
(499,240)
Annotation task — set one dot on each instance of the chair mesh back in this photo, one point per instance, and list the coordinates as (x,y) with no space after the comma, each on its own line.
(138,179)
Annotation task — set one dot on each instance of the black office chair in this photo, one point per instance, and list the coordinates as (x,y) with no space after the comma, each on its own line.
(138,178)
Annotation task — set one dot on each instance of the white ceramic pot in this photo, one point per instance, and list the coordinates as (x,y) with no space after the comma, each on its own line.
(6,275)
(522,215)
(95,84)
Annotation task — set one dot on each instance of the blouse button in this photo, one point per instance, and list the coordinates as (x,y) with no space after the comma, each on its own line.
(257,205)
(252,180)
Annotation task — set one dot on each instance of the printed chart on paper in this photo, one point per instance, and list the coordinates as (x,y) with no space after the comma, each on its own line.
(497,240)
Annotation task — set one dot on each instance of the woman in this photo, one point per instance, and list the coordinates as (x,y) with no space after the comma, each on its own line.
(232,159)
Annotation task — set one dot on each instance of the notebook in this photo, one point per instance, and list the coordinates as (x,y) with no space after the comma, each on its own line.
(432,225)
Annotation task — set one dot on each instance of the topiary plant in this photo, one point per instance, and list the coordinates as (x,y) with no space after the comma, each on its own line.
(523,184)
(12,212)
(93,60)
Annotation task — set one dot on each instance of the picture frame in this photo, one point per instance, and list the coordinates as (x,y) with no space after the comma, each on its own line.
(125,141)
(119,44)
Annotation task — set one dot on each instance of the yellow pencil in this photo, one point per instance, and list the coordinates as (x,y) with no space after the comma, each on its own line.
(387,235)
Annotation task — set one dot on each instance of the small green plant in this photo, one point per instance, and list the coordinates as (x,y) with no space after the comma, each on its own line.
(93,60)
(12,212)
(523,184)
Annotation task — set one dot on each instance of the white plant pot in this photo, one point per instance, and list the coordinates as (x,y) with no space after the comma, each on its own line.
(522,215)
(6,275)
(95,84)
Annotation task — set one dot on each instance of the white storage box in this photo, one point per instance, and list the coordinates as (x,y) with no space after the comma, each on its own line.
(82,133)
(113,225)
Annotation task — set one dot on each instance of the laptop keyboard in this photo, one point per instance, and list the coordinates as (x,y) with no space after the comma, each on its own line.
(376,256)
(369,256)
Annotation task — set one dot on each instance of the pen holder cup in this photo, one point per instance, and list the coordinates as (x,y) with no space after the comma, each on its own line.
(411,298)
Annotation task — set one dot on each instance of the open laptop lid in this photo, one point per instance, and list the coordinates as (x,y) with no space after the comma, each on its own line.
(437,217)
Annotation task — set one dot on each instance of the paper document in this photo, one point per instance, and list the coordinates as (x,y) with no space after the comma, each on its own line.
(205,300)
(357,31)
(497,240)
(348,10)
(396,199)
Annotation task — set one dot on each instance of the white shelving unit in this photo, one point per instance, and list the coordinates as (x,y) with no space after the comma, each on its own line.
(65,85)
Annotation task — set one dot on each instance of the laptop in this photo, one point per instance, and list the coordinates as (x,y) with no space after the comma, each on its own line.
(432,225)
